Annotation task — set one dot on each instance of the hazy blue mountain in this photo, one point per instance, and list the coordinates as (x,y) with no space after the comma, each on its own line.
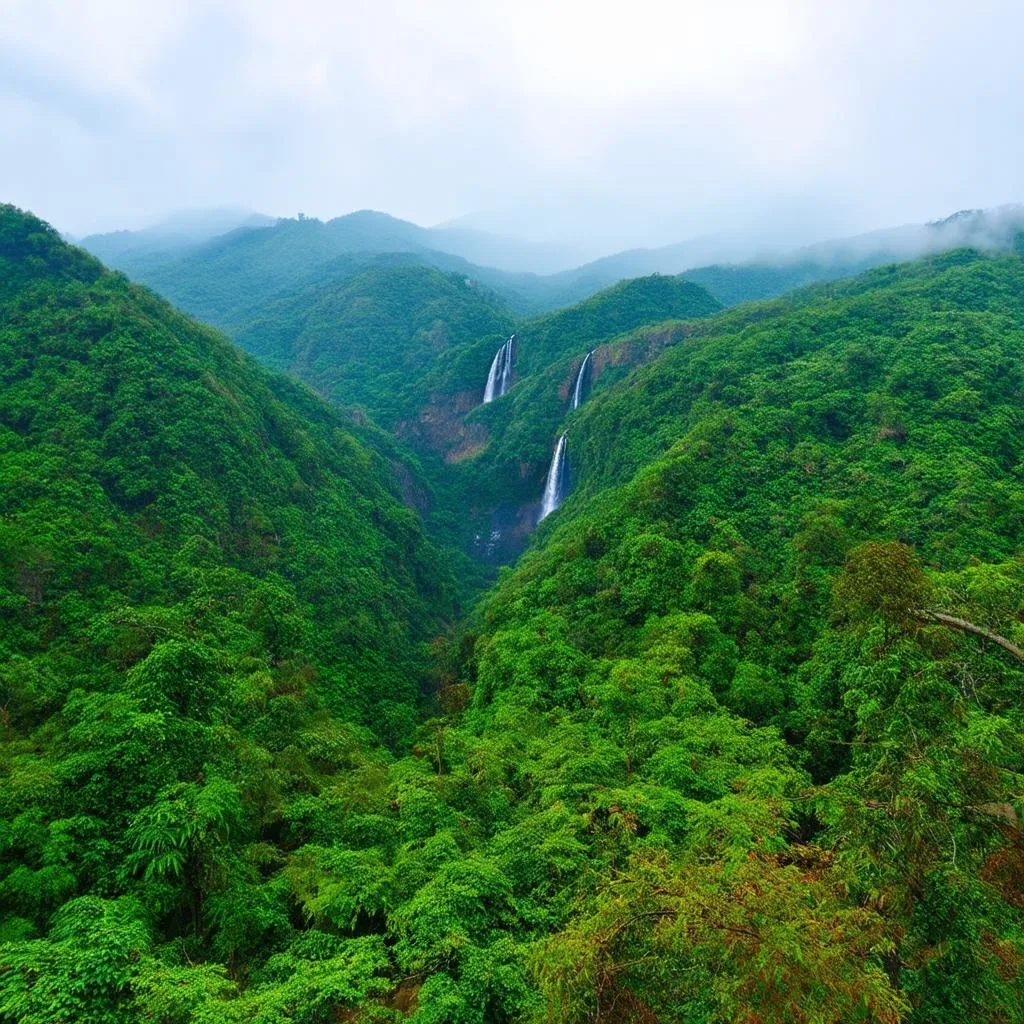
(217,279)
(178,230)
(506,252)
(736,270)
(224,279)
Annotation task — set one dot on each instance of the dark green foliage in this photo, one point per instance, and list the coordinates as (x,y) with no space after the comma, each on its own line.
(704,755)
(129,432)
(381,339)
(202,574)
(732,284)
(612,312)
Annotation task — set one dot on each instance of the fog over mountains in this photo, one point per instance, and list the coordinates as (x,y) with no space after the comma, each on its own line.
(531,276)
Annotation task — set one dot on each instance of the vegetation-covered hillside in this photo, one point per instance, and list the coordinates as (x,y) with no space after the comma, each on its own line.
(496,454)
(411,347)
(612,312)
(209,592)
(732,284)
(225,279)
(377,338)
(776,673)
(739,740)
(502,449)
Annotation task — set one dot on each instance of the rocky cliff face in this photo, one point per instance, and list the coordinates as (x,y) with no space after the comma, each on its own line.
(441,428)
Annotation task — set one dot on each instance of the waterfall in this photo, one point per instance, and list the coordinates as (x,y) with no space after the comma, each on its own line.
(577,393)
(554,489)
(499,380)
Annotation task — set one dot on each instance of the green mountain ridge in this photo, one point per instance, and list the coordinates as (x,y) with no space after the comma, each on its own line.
(377,338)
(360,231)
(223,278)
(168,437)
(739,738)
(226,277)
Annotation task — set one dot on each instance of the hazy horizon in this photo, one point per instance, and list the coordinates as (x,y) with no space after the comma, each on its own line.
(780,121)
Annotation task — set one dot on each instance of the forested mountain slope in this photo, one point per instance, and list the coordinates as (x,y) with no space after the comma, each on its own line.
(379,338)
(203,577)
(843,364)
(411,347)
(177,232)
(361,231)
(611,312)
(501,450)
(225,279)
(745,274)
(818,497)
(739,740)
(166,436)
(732,284)
(395,336)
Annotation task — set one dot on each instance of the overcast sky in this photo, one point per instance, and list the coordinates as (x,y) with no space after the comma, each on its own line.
(611,124)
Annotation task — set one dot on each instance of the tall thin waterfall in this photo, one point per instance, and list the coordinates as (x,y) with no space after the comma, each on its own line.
(554,489)
(577,393)
(499,380)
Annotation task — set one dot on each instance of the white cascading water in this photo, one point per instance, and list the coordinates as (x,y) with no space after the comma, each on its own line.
(554,489)
(577,394)
(499,380)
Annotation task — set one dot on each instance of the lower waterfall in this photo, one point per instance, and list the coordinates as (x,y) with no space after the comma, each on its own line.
(554,489)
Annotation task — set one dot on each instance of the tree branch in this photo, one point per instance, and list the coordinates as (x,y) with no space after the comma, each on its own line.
(968,627)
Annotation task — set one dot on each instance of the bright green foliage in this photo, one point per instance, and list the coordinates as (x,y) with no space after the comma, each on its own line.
(203,574)
(705,755)
(787,435)
(83,971)
(607,315)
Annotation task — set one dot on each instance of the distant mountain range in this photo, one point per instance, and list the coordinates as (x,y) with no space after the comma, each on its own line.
(182,256)
(183,228)
(734,272)
(362,231)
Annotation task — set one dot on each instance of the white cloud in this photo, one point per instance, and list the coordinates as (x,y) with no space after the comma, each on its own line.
(624,121)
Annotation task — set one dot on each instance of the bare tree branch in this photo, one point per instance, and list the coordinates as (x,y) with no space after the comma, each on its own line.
(968,627)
